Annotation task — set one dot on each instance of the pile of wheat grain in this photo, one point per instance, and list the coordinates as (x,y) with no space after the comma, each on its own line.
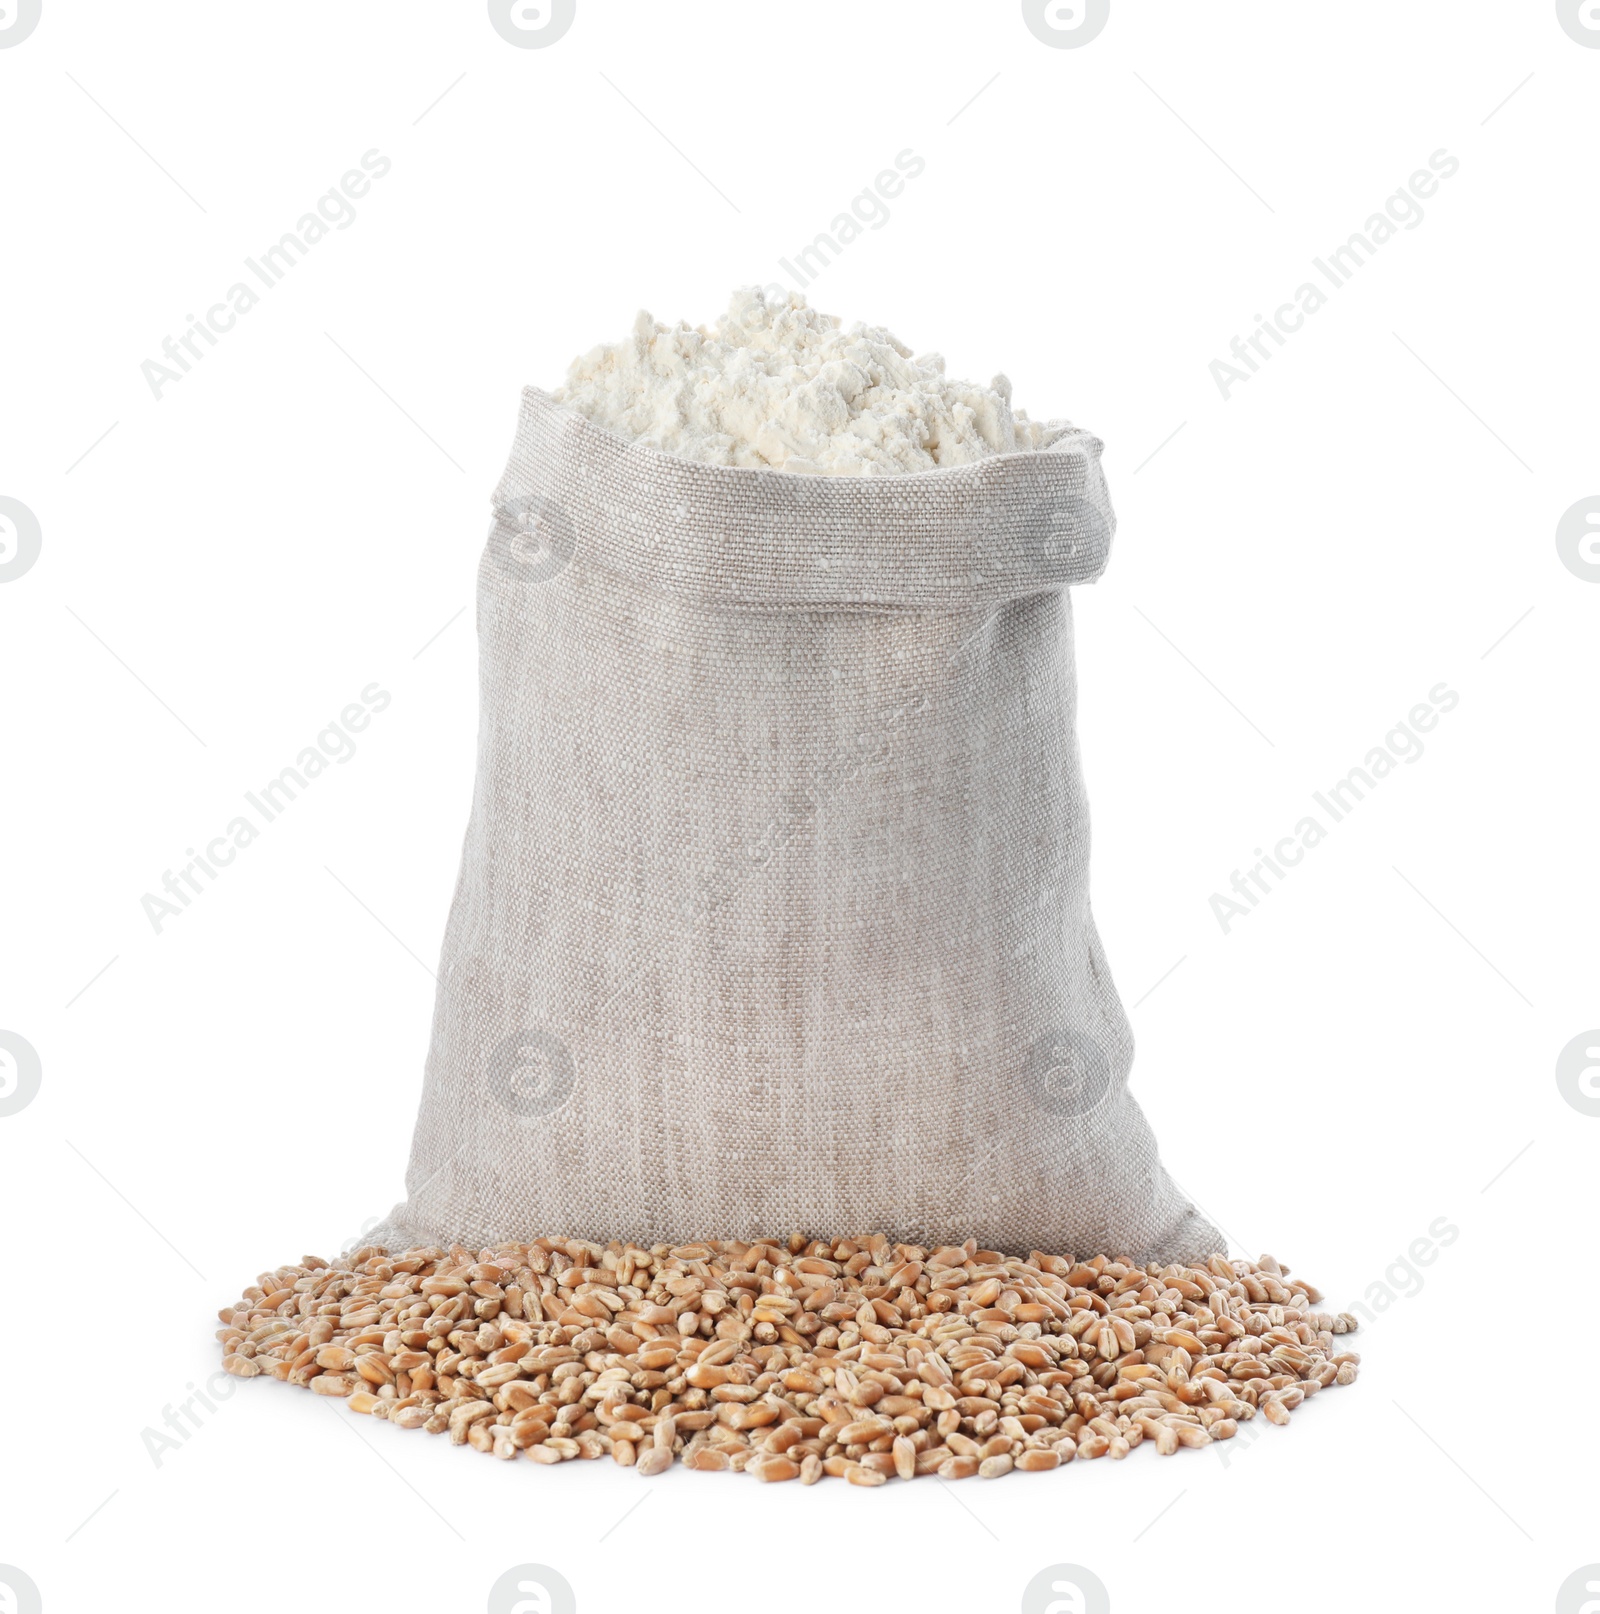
(794,1358)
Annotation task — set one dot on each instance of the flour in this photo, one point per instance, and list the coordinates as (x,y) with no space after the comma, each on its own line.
(780,385)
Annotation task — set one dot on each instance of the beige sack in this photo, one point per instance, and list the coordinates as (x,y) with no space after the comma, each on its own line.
(773,912)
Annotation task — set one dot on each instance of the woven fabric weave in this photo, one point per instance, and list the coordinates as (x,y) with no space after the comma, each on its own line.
(773,912)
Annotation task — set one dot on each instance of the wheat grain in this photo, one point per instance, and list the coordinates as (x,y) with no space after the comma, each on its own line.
(794,1358)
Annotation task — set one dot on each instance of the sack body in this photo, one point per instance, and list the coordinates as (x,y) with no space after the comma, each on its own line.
(773,911)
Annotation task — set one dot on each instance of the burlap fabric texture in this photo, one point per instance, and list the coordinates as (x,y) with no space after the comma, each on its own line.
(773,912)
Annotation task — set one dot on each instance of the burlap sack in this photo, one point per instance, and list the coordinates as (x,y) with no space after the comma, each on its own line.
(773,912)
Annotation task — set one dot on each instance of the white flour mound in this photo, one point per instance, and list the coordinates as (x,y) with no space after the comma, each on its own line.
(779,385)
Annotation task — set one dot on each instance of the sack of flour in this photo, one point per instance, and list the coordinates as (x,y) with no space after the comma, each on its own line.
(773,912)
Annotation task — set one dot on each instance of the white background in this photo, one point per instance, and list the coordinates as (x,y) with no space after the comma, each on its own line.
(1371,1049)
